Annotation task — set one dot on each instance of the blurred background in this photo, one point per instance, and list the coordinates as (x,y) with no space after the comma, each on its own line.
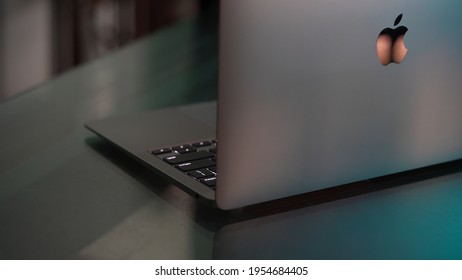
(43,38)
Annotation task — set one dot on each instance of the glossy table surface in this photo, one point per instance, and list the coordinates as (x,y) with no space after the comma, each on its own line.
(66,194)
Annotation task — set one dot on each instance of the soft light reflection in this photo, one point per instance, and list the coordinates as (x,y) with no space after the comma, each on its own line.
(146,234)
(416,221)
(435,131)
(105,104)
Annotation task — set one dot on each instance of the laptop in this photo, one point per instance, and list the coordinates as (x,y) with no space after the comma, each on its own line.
(312,95)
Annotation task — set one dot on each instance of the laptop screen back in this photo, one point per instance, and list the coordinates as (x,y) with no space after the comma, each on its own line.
(306,103)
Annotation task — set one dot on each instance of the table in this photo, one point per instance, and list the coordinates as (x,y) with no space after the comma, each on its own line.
(66,194)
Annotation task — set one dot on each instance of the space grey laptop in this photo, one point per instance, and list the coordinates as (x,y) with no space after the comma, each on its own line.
(312,94)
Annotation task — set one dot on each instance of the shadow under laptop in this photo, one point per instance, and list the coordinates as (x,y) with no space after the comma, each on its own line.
(370,219)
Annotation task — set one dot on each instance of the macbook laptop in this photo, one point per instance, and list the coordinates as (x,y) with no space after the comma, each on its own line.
(312,95)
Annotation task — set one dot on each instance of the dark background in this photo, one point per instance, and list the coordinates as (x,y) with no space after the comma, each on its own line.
(40,39)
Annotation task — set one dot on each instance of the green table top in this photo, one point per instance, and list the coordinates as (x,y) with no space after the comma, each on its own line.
(66,194)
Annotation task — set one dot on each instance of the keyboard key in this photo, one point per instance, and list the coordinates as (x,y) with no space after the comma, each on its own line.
(188,157)
(197,164)
(201,173)
(183,149)
(160,151)
(202,144)
(186,150)
(211,182)
(200,165)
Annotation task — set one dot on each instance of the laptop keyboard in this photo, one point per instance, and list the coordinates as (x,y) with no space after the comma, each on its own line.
(198,160)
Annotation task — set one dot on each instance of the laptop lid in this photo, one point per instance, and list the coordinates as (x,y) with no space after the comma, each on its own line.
(306,102)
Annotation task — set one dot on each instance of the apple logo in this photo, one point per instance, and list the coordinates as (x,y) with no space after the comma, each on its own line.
(390,44)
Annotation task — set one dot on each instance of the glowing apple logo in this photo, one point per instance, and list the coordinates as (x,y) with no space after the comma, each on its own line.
(390,44)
